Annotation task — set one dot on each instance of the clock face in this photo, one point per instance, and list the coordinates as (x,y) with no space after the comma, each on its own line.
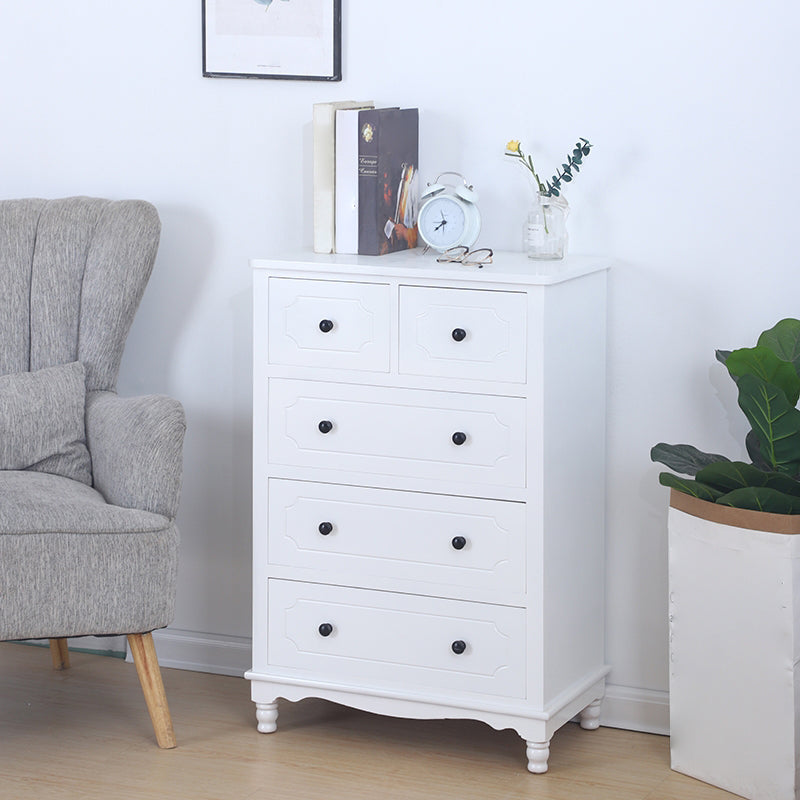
(442,222)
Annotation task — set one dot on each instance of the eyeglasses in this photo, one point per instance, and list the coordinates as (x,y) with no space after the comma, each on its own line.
(466,257)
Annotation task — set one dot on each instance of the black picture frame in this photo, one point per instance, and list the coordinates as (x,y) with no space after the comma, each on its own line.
(237,43)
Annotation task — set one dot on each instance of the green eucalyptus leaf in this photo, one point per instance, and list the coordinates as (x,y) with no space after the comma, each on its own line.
(761,498)
(784,340)
(683,458)
(775,421)
(688,486)
(722,355)
(762,362)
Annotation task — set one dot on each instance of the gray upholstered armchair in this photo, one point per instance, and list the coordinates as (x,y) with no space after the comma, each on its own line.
(89,481)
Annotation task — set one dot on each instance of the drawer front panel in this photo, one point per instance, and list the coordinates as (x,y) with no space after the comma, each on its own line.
(329,324)
(398,431)
(457,542)
(463,333)
(399,639)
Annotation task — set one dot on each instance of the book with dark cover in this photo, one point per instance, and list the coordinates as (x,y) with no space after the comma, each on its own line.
(388,194)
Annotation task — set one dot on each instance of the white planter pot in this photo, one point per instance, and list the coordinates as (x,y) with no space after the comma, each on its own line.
(734,608)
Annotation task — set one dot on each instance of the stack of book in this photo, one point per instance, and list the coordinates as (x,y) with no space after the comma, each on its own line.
(366,164)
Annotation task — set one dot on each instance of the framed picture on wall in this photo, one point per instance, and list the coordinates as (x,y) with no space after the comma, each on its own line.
(289,39)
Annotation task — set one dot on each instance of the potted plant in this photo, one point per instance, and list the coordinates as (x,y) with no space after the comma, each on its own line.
(734,581)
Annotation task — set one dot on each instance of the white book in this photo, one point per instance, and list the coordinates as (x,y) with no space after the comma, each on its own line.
(324,135)
(346,181)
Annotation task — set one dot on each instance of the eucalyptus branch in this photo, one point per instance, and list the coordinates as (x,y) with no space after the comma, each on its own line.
(564,175)
(574,161)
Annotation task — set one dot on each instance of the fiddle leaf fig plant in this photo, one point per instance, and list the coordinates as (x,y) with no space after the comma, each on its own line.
(767,378)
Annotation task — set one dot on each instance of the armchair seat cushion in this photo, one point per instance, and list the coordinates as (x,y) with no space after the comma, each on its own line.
(73,565)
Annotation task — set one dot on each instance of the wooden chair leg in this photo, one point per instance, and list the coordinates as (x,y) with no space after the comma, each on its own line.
(59,653)
(146,660)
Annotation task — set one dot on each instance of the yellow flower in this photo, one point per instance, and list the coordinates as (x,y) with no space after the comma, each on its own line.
(513,146)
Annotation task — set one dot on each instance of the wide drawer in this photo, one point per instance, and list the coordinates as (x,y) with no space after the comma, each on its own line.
(463,333)
(387,431)
(356,636)
(462,543)
(335,324)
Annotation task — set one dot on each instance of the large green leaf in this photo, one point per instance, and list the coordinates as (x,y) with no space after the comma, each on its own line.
(765,364)
(784,340)
(683,458)
(722,355)
(689,486)
(754,451)
(761,498)
(730,475)
(775,421)
(783,483)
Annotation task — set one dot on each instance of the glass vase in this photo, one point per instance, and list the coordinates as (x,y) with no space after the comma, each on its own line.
(545,232)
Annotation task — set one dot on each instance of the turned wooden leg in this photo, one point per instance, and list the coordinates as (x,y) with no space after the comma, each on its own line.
(146,660)
(59,653)
(590,716)
(538,753)
(267,716)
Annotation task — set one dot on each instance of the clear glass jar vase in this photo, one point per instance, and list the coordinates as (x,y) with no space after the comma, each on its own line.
(545,231)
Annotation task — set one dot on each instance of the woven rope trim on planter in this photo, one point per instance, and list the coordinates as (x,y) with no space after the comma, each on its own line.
(737,517)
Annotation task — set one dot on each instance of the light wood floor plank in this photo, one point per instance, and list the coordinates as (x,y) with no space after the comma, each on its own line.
(85,733)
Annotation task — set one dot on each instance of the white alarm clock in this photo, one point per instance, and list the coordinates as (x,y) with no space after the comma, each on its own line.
(449,216)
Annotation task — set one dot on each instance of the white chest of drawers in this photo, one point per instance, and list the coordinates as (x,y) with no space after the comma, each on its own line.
(428,489)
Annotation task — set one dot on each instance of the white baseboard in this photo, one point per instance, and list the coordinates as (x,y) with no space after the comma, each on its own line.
(624,706)
(202,652)
(634,709)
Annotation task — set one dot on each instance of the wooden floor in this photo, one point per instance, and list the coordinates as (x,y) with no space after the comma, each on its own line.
(85,733)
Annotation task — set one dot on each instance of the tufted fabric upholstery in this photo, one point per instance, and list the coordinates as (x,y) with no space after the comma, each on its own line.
(72,273)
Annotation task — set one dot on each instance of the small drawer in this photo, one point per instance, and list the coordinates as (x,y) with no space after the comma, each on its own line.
(462,544)
(463,333)
(357,636)
(334,324)
(386,431)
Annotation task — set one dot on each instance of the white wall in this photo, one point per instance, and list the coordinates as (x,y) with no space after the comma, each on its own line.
(691,187)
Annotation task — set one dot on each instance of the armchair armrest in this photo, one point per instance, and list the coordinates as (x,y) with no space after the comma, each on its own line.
(136,444)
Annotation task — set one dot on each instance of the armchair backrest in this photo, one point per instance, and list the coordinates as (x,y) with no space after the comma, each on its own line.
(72,273)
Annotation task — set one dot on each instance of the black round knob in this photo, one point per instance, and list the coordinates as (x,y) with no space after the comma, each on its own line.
(458,647)
(326,325)
(326,426)
(459,438)
(326,629)
(459,542)
(459,334)
(325,528)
